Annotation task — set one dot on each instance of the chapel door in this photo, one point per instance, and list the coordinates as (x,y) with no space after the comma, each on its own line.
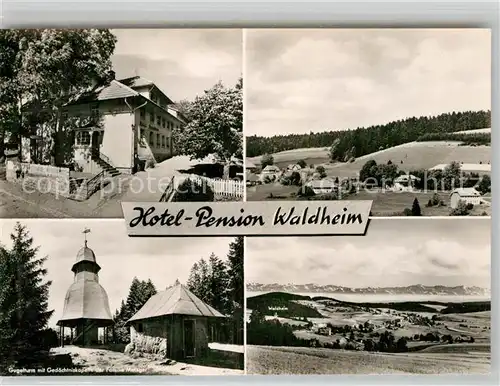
(189,338)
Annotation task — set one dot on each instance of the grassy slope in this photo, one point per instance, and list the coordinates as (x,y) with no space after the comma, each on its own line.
(292,360)
(415,155)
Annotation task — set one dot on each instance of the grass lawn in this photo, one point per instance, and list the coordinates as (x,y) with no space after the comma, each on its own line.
(384,203)
(394,203)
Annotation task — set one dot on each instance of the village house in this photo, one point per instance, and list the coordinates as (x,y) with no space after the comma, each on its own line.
(250,167)
(125,124)
(405,183)
(294,167)
(323,186)
(270,171)
(467,195)
(174,324)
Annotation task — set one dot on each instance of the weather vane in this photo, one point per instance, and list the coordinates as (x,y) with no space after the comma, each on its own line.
(85,231)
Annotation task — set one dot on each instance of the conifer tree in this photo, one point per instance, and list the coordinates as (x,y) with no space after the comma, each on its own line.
(23,300)
(235,270)
(139,294)
(415,209)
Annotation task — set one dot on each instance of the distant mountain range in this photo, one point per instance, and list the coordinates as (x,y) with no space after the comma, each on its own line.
(417,289)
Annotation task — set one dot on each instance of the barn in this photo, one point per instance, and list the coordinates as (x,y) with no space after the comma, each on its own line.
(468,195)
(174,324)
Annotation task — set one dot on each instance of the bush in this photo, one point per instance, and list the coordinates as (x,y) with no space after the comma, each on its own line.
(470,206)
(407,212)
(436,200)
(150,163)
(306,191)
(267,159)
(302,163)
(321,171)
(460,210)
(269,179)
(484,185)
(295,178)
(194,190)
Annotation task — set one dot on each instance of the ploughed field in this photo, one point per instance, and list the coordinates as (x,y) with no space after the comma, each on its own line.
(456,359)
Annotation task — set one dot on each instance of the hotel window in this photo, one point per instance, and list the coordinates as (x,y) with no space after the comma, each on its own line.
(158,143)
(162,141)
(83,138)
(163,122)
(158,120)
(168,141)
(151,139)
(151,118)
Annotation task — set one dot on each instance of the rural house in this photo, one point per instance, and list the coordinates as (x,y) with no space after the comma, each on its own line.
(250,166)
(405,182)
(270,171)
(86,306)
(468,195)
(323,186)
(174,324)
(294,167)
(124,124)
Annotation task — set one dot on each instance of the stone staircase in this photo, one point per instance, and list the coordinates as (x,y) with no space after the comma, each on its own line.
(105,164)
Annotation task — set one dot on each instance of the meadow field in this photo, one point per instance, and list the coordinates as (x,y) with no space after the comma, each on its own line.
(384,203)
(458,359)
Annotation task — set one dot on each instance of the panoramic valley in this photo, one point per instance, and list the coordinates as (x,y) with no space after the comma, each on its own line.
(411,296)
(297,334)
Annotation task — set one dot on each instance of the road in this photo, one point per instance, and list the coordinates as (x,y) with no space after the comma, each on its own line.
(147,186)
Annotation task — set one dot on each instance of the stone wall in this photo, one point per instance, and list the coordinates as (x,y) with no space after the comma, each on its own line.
(151,340)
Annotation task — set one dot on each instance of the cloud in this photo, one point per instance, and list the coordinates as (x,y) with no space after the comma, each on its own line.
(394,252)
(315,80)
(182,62)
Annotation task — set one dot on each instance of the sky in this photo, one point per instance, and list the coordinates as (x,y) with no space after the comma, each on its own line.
(163,260)
(394,252)
(181,62)
(298,81)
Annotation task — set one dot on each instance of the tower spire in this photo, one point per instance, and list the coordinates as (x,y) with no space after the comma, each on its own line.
(85,231)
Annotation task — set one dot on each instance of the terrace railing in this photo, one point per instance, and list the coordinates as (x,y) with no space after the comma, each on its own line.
(93,185)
